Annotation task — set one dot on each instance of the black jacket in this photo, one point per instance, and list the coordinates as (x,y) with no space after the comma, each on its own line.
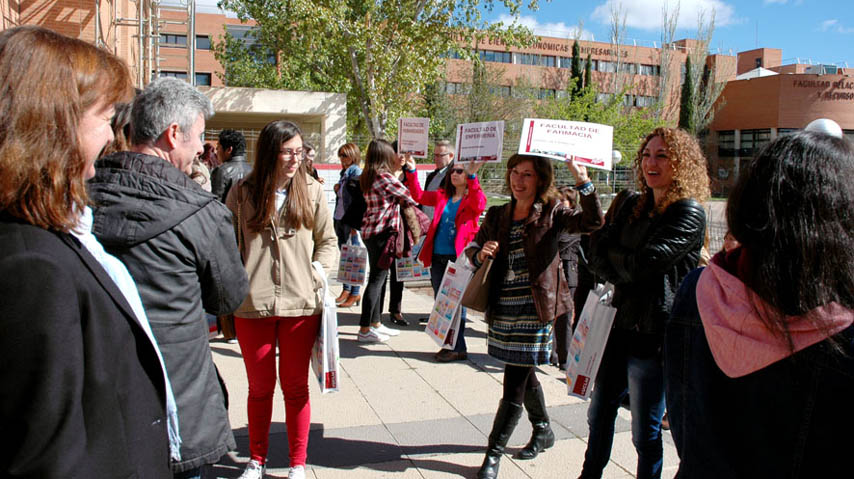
(82,391)
(224,176)
(178,243)
(646,259)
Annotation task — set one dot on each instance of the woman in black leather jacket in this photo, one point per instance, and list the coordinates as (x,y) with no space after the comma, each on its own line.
(651,240)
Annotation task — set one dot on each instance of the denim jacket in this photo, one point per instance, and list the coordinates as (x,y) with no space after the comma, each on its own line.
(788,419)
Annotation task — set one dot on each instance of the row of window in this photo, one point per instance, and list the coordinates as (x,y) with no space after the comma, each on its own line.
(203,42)
(453,88)
(202,79)
(562,62)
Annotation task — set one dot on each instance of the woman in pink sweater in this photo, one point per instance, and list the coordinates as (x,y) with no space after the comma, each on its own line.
(458,206)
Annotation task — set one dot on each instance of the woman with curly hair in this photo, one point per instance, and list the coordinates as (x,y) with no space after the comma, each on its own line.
(651,240)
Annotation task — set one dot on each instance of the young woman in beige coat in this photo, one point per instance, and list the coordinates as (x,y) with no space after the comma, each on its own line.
(284,224)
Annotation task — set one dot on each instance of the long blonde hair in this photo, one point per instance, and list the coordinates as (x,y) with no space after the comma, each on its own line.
(690,175)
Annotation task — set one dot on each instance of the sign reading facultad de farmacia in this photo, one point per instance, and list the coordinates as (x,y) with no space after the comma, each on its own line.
(829,89)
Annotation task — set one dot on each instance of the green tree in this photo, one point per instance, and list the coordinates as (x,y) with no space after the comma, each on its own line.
(377,51)
(588,75)
(575,72)
(687,120)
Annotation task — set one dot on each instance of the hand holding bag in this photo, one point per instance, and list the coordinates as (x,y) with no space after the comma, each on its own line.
(476,295)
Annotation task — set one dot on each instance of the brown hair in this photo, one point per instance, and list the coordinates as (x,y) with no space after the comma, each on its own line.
(690,178)
(545,173)
(380,157)
(351,151)
(267,174)
(49,81)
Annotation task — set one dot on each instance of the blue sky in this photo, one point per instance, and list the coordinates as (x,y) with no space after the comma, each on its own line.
(821,31)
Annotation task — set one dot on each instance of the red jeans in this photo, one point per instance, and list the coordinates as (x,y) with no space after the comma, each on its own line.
(257,338)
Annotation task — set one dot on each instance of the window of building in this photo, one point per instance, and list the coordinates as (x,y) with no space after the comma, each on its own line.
(594,64)
(628,100)
(564,62)
(546,93)
(848,134)
(644,101)
(630,68)
(454,54)
(607,67)
(753,140)
(173,40)
(493,56)
(203,79)
(650,70)
(527,59)
(758,62)
(547,61)
(203,42)
(604,97)
(246,35)
(178,75)
(500,90)
(726,143)
(453,88)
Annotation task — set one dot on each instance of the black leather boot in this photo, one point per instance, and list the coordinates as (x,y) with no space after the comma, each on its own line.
(543,436)
(502,428)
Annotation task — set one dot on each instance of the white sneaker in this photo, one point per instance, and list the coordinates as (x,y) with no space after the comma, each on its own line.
(382,329)
(254,470)
(297,472)
(372,336)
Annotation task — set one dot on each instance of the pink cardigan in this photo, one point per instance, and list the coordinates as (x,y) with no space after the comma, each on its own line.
(466,222)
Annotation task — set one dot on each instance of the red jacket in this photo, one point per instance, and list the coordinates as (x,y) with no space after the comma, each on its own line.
(466,222)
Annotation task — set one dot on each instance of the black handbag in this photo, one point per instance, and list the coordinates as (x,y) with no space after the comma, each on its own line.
(356,211)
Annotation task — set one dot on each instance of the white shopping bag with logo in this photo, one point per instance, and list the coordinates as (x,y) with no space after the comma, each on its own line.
(325,352)
(589,340)
(444,323)
(353,265)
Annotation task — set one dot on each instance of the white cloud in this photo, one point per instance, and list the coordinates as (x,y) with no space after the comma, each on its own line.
(646,14)
(559,29)
(833,25)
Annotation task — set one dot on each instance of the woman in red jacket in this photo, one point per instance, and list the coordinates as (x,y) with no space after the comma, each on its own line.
(459,203)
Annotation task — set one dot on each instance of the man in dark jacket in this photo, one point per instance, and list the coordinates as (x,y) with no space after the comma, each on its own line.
(232,151)
(178,243)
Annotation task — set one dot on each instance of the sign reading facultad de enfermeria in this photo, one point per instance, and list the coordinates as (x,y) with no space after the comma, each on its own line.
(829,90)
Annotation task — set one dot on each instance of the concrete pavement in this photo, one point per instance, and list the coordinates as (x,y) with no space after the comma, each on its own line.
(399,414)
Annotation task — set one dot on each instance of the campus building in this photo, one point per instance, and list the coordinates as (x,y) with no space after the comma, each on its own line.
(762,98)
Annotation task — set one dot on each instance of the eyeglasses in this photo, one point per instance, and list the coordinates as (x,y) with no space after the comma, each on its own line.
(458,171)
(297,155)
(439,155)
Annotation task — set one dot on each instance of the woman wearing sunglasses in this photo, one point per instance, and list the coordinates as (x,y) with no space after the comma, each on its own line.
(458,205)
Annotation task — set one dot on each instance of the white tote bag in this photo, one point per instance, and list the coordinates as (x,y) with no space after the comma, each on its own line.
(325,352)
(589,340)
(353,265)
(444,323)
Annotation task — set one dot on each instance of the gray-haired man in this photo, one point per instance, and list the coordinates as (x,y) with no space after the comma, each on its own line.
(178,243)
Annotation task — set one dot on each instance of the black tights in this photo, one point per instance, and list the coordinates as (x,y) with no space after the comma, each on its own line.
(516,380)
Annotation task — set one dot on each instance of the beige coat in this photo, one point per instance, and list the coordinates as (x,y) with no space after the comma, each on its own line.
(278,260)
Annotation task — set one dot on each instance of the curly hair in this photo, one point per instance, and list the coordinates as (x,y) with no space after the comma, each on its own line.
(690,175)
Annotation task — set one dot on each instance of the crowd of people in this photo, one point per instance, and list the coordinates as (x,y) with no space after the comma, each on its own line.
(120,230)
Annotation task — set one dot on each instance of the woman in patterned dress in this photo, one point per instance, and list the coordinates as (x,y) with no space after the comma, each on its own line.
(528,290)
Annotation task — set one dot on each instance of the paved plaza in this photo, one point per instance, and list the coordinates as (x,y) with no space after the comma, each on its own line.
(399,414)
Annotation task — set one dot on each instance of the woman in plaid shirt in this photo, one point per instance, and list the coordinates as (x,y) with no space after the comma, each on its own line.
(383,195)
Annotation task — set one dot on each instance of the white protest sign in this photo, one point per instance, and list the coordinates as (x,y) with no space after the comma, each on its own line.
(412,136)
(481,142)
(590,143)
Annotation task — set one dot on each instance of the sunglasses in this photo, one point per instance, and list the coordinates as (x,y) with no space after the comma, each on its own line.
(458,171)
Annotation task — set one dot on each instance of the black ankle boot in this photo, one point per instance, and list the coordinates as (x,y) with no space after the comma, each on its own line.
(502,428)
(543,436)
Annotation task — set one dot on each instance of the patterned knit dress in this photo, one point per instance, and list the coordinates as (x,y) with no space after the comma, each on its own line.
(516,334)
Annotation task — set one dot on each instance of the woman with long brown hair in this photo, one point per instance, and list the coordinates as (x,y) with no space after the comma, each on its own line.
(651,240)
(283,225)
(83,382)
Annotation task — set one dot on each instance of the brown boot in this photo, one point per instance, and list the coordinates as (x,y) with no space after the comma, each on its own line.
(342,297)
(351,301)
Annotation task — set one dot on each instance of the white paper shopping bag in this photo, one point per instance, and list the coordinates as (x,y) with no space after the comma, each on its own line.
(589,340)
(325,352)
(353,265)
(444,323)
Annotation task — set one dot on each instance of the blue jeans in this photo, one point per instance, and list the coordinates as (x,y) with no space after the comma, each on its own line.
(437,270)
(345,235)
(643,379)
